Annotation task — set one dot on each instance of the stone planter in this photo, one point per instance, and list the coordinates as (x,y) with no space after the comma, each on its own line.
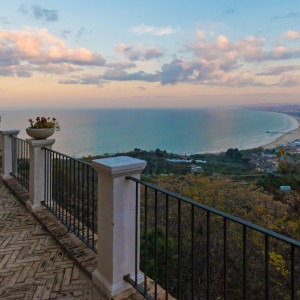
(40,133)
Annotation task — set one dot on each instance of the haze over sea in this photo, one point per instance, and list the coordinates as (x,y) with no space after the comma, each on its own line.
(185,131)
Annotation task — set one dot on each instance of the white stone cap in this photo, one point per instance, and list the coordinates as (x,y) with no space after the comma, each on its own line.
(10,132)
(119,165)
(45,142)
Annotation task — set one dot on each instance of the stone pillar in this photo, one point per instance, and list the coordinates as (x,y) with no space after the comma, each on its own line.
(37,171)
(7,155)
(116,222)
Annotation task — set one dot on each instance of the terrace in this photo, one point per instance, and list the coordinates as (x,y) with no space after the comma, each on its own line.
(123,232)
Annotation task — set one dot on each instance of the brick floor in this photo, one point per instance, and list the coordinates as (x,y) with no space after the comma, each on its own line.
(41,259)
(32,264)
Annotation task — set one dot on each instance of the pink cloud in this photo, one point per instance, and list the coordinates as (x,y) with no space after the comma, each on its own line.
(37,47)
(291,35)
(226,63)
(250,49)
(289,80)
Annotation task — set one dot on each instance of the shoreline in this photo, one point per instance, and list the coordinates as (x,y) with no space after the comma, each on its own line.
(285,138)
(282,140)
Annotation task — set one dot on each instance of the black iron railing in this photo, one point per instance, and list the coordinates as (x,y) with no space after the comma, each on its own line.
(20,161)
(71,194)
(192,251)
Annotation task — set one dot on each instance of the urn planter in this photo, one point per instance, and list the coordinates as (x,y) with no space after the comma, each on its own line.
(40,133)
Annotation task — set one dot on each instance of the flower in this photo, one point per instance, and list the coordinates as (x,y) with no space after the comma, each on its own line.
(43,122)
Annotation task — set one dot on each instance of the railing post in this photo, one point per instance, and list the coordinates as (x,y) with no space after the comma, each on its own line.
(7,155)
(37,171)
(116,222)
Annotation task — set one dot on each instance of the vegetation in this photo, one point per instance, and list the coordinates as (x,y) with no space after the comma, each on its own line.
(246,201)
(233,163)
(158,161)
(234,197)
(231,182)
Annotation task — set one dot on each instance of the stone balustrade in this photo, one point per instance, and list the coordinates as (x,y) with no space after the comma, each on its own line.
(116,208)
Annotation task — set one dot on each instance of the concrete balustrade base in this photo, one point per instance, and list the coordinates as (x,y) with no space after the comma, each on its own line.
(111,290)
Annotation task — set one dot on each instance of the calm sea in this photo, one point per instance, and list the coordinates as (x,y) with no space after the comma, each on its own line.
(98,131)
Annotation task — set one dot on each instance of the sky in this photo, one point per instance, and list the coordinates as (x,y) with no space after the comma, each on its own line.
(135,53)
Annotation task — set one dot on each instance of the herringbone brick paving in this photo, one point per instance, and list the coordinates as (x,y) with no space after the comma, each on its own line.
(32,264)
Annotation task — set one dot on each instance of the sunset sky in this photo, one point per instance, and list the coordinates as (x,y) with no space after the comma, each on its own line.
(148,53)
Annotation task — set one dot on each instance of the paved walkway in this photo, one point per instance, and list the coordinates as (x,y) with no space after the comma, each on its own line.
(32,264)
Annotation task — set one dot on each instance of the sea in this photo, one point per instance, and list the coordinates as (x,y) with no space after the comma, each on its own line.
(87,132)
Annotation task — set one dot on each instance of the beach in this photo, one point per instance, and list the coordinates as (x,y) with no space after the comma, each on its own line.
(285,138)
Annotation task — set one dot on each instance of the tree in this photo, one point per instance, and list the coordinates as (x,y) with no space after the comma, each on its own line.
(233,153)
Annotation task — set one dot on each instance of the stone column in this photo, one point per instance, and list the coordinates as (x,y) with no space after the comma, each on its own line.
(37,171)
(7,156)
(116,222)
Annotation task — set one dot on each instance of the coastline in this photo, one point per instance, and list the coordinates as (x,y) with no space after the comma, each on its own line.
(108,140)
(287,137)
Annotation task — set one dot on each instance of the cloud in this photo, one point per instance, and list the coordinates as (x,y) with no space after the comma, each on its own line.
(289,80)
(69,81)
(291,15)
(6,72)
(81,32)
(152,30)
(52,68)
(202,72)
(65,33)
(291,35)
(121,65)
(39,13)
(201,34)
(84,80)
(37,49)
(185,71)
(13,71)
(4,21)
(47,15)
(283,53)
(229,11)
(241,80)
(220,62)
(164,31)
(274,71)
(250,49)
(93,80)
(135,76)
(23,9)
(175,71)
(138,52)
(207,61)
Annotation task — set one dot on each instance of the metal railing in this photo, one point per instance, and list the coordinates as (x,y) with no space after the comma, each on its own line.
(20,161)
(193,251)
(71,194)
